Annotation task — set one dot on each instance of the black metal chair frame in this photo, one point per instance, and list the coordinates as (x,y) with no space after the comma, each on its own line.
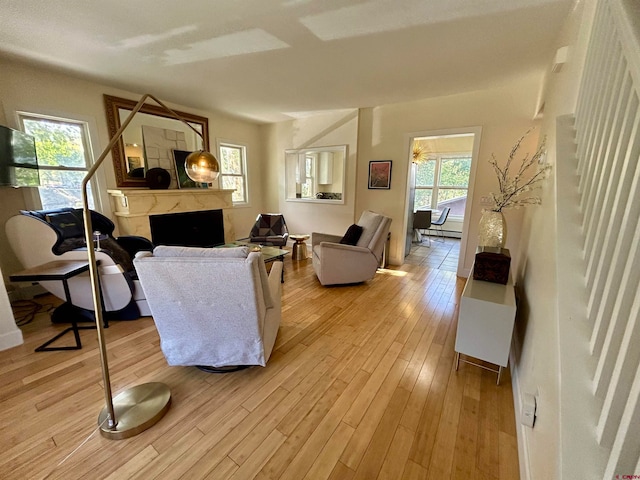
(439,222)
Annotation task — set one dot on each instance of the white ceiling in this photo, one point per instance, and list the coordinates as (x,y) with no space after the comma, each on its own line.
(269,60)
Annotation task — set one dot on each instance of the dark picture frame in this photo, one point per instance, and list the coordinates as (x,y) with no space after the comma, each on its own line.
(380,174)
(179,156)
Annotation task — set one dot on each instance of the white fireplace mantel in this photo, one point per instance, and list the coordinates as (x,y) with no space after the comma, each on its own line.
(133,206)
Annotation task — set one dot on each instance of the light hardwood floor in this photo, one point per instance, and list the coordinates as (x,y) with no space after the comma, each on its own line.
(361,386)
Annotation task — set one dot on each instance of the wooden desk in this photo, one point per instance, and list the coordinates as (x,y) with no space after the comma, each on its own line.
(61,270)
(485,323)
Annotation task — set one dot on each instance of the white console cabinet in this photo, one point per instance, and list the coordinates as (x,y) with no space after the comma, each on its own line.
(485,323)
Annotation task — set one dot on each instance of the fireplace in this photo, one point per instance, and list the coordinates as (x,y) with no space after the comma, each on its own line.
(132,207)
(203,228)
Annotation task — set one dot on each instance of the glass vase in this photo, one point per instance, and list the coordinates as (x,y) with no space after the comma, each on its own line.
(493,229)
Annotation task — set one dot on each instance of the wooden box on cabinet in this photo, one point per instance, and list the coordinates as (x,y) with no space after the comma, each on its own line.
(492,265)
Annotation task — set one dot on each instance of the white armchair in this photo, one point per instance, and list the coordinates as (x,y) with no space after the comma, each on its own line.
(337,263)
(213,307)
(38,237)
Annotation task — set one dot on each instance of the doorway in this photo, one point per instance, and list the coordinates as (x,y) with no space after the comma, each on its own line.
(440,181)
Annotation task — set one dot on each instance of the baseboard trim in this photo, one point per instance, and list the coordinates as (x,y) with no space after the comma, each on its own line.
(26,292)
(11,339)
(523,445)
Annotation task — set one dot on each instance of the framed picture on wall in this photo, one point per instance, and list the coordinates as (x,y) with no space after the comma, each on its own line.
(380,174)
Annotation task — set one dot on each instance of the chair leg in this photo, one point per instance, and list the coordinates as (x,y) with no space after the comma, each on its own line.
(439,237)
(419,236)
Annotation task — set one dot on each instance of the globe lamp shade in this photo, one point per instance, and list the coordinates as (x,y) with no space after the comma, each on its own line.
(202,167)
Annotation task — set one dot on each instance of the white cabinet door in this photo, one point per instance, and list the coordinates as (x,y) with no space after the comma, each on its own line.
(486,319)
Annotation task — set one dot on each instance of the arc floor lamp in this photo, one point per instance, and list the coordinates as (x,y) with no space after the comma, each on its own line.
(142,406)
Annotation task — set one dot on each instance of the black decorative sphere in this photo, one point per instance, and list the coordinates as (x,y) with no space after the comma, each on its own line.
(158,178)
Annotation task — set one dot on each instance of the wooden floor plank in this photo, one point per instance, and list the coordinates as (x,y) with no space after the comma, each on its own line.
(330,454)
(303,423)
(360,385)
(397,456)
(371,463)
(371,418)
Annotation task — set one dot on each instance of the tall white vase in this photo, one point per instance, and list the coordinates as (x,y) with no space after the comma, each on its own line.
(493,229)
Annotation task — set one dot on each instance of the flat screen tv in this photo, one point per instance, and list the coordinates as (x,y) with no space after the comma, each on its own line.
(204,228)
(18,159)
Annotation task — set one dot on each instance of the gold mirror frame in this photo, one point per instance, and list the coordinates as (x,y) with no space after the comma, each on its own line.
(113,105)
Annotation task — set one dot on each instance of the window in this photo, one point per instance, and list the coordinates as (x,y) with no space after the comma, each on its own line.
(233,171)
(443,181)
(63,158)
(309,181)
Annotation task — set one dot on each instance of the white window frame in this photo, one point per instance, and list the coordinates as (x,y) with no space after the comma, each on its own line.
(245,179)
(439,157)
(35,199)
(311,166)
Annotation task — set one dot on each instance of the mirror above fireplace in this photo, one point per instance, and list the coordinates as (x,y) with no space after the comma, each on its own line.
(128,155)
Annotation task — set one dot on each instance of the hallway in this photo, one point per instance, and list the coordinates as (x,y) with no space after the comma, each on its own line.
(440,255)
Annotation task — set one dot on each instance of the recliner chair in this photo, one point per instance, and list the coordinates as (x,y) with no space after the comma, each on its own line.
(340,263)
(213,307)
(41,236)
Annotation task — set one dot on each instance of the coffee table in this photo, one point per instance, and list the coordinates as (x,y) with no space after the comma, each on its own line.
(269,254)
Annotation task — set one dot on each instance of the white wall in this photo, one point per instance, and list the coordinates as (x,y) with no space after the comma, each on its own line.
(535,363)
(504,113)
(327,129)
(10,334)
(32,89)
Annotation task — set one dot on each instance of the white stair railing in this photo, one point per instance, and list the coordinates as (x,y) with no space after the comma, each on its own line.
(599,304)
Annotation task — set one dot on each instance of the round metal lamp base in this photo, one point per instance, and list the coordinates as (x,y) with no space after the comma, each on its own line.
(136,409)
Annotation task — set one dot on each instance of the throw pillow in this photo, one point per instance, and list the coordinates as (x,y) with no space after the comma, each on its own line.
(352,236)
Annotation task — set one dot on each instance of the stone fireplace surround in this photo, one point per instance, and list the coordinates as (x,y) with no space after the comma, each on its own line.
(133,206)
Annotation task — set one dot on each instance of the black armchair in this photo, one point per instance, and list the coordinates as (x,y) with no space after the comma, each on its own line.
(270,228)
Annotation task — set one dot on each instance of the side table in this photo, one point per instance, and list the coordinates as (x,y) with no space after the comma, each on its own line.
(56,270)
(299,248)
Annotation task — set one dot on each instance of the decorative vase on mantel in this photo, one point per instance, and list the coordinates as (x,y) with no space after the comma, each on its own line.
(493,229)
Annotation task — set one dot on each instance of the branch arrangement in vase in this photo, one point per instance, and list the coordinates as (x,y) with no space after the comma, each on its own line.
(513,186)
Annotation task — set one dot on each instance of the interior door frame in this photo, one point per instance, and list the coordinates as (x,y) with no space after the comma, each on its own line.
(477,134)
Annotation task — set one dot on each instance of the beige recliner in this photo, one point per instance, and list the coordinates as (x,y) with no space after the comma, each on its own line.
(338,263)
(213,307)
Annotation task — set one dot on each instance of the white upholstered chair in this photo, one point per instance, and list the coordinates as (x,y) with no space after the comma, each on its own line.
(38,237)
(213,307)
(337,263)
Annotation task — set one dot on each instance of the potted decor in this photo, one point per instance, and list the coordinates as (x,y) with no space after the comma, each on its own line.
(515,181)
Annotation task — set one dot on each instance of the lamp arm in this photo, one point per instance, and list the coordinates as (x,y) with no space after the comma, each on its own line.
(93,267)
